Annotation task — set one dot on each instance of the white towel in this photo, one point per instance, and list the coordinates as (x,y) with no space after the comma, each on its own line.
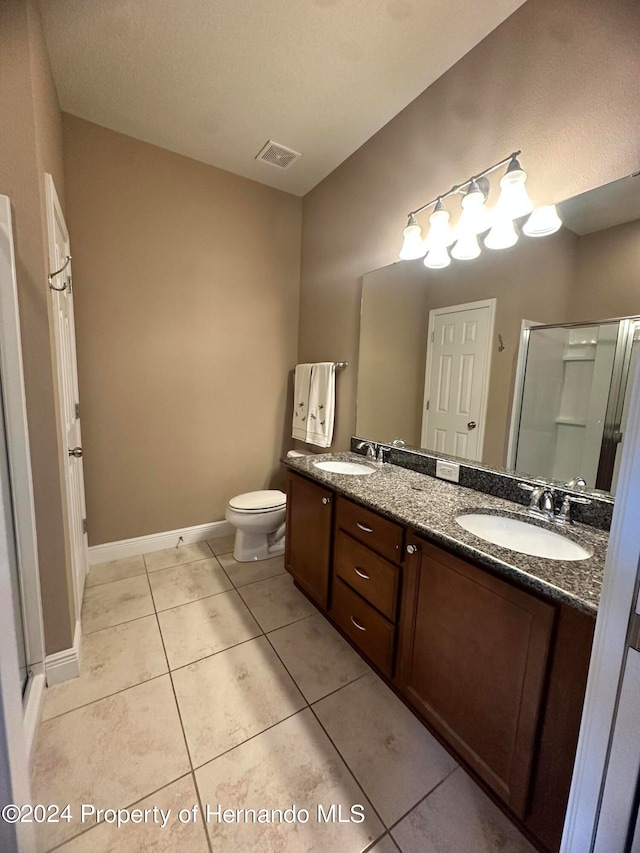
(322,404)
(301,387)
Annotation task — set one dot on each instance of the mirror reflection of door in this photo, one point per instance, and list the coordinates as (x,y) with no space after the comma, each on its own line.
(457,378)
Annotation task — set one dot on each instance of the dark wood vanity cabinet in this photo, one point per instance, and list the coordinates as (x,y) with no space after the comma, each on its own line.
(473,661)
(308,545)
(497,672)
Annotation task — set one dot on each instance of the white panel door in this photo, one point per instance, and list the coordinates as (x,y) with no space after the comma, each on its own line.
(65,341)
(457,380)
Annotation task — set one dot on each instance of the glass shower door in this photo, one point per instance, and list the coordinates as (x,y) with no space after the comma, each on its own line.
(570,413)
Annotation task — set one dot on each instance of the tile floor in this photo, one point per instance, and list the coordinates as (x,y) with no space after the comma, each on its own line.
(206,681)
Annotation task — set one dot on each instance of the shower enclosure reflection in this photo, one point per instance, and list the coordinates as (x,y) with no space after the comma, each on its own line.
(570,406)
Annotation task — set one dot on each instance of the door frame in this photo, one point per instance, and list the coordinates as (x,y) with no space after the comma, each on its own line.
(482,417)
(518,390)
(19,460)
(610,643)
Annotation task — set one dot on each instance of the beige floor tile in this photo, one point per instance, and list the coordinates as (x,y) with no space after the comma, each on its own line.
(317,657)
(204,627)
(116,602)
(232,696)
(116,570)
(276,602)
(242,574)
(395,759)
(112,660)
(458,816)
(157,560)
(293,762)
(222,544)
(134,838)
(111,753)
(386,845)
(181,584)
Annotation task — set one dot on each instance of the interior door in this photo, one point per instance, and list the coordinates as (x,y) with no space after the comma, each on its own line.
(65,343)
(457,379)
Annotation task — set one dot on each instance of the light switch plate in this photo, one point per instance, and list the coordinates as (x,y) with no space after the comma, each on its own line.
(448,471)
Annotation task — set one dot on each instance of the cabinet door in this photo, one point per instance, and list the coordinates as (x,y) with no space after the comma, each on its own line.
(473,662)
(308,544)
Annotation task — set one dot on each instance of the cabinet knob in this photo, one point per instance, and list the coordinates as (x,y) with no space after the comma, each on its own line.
(412,549)
(326,501)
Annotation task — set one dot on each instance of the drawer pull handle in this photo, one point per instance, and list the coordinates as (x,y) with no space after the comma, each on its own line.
(362,527)
(359,627)
(360,574)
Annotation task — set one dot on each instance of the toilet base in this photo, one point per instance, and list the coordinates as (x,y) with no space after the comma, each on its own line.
(251,547)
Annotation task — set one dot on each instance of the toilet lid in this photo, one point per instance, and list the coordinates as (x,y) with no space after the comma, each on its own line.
(266,499)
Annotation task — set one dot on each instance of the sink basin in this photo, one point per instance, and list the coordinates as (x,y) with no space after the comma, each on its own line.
(522,537)
(355,469)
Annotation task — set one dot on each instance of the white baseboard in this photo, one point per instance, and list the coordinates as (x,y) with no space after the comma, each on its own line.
(157,542)
(65,665)
(33,706)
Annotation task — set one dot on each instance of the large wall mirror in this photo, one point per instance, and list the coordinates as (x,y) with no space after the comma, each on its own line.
(520,359)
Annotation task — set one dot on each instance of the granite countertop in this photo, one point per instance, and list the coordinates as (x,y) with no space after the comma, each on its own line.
(430,506)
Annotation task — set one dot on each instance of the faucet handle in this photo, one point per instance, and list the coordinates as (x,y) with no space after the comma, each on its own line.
(564,513)
(527,487)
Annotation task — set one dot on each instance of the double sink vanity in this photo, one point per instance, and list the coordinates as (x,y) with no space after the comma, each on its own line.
(477,613)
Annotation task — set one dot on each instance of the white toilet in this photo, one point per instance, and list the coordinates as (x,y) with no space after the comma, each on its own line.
(259,521)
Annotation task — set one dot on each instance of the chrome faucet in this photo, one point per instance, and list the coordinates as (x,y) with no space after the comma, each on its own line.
(576,483)
(541,501)
(564,513)
(371,449)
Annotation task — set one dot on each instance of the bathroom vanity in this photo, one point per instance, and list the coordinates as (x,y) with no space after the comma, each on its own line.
(488,647)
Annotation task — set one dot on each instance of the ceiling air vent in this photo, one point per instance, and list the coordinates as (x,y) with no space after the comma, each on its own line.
(277,155)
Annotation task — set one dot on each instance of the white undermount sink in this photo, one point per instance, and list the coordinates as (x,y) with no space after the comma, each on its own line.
(522,537)
(355,469)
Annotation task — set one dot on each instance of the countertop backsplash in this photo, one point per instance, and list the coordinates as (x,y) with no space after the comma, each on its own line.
(499,482)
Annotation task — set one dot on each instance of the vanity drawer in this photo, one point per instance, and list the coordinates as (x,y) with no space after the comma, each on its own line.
(370,575)
(370,632)
(375,532)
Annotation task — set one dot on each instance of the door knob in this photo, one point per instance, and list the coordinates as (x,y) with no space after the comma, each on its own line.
(77,452)
(472,425)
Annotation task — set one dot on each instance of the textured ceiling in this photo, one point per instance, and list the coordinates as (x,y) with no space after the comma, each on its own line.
(215,79)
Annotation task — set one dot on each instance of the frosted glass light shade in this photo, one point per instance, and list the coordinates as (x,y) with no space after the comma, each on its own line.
(514,201)
(437,258)
(475,217)
(503,234)
(413,246)
(440,231)
(543,221)
(466,248)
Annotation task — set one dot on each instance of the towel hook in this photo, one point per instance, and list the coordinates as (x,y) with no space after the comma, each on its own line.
(52,275)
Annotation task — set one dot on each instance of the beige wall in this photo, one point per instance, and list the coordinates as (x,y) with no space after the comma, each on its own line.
(186,297)
(607,281)
(31,144)
(558,80)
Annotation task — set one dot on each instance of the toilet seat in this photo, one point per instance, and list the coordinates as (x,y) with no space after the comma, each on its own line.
(267,500)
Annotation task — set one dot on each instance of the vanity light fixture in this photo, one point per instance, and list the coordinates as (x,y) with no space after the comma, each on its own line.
(475,219)
(543,221)
(413,246)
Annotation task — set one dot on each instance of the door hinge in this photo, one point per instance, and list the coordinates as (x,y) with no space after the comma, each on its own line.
(433,337)
(77,411)
(84,525)
(427,406)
